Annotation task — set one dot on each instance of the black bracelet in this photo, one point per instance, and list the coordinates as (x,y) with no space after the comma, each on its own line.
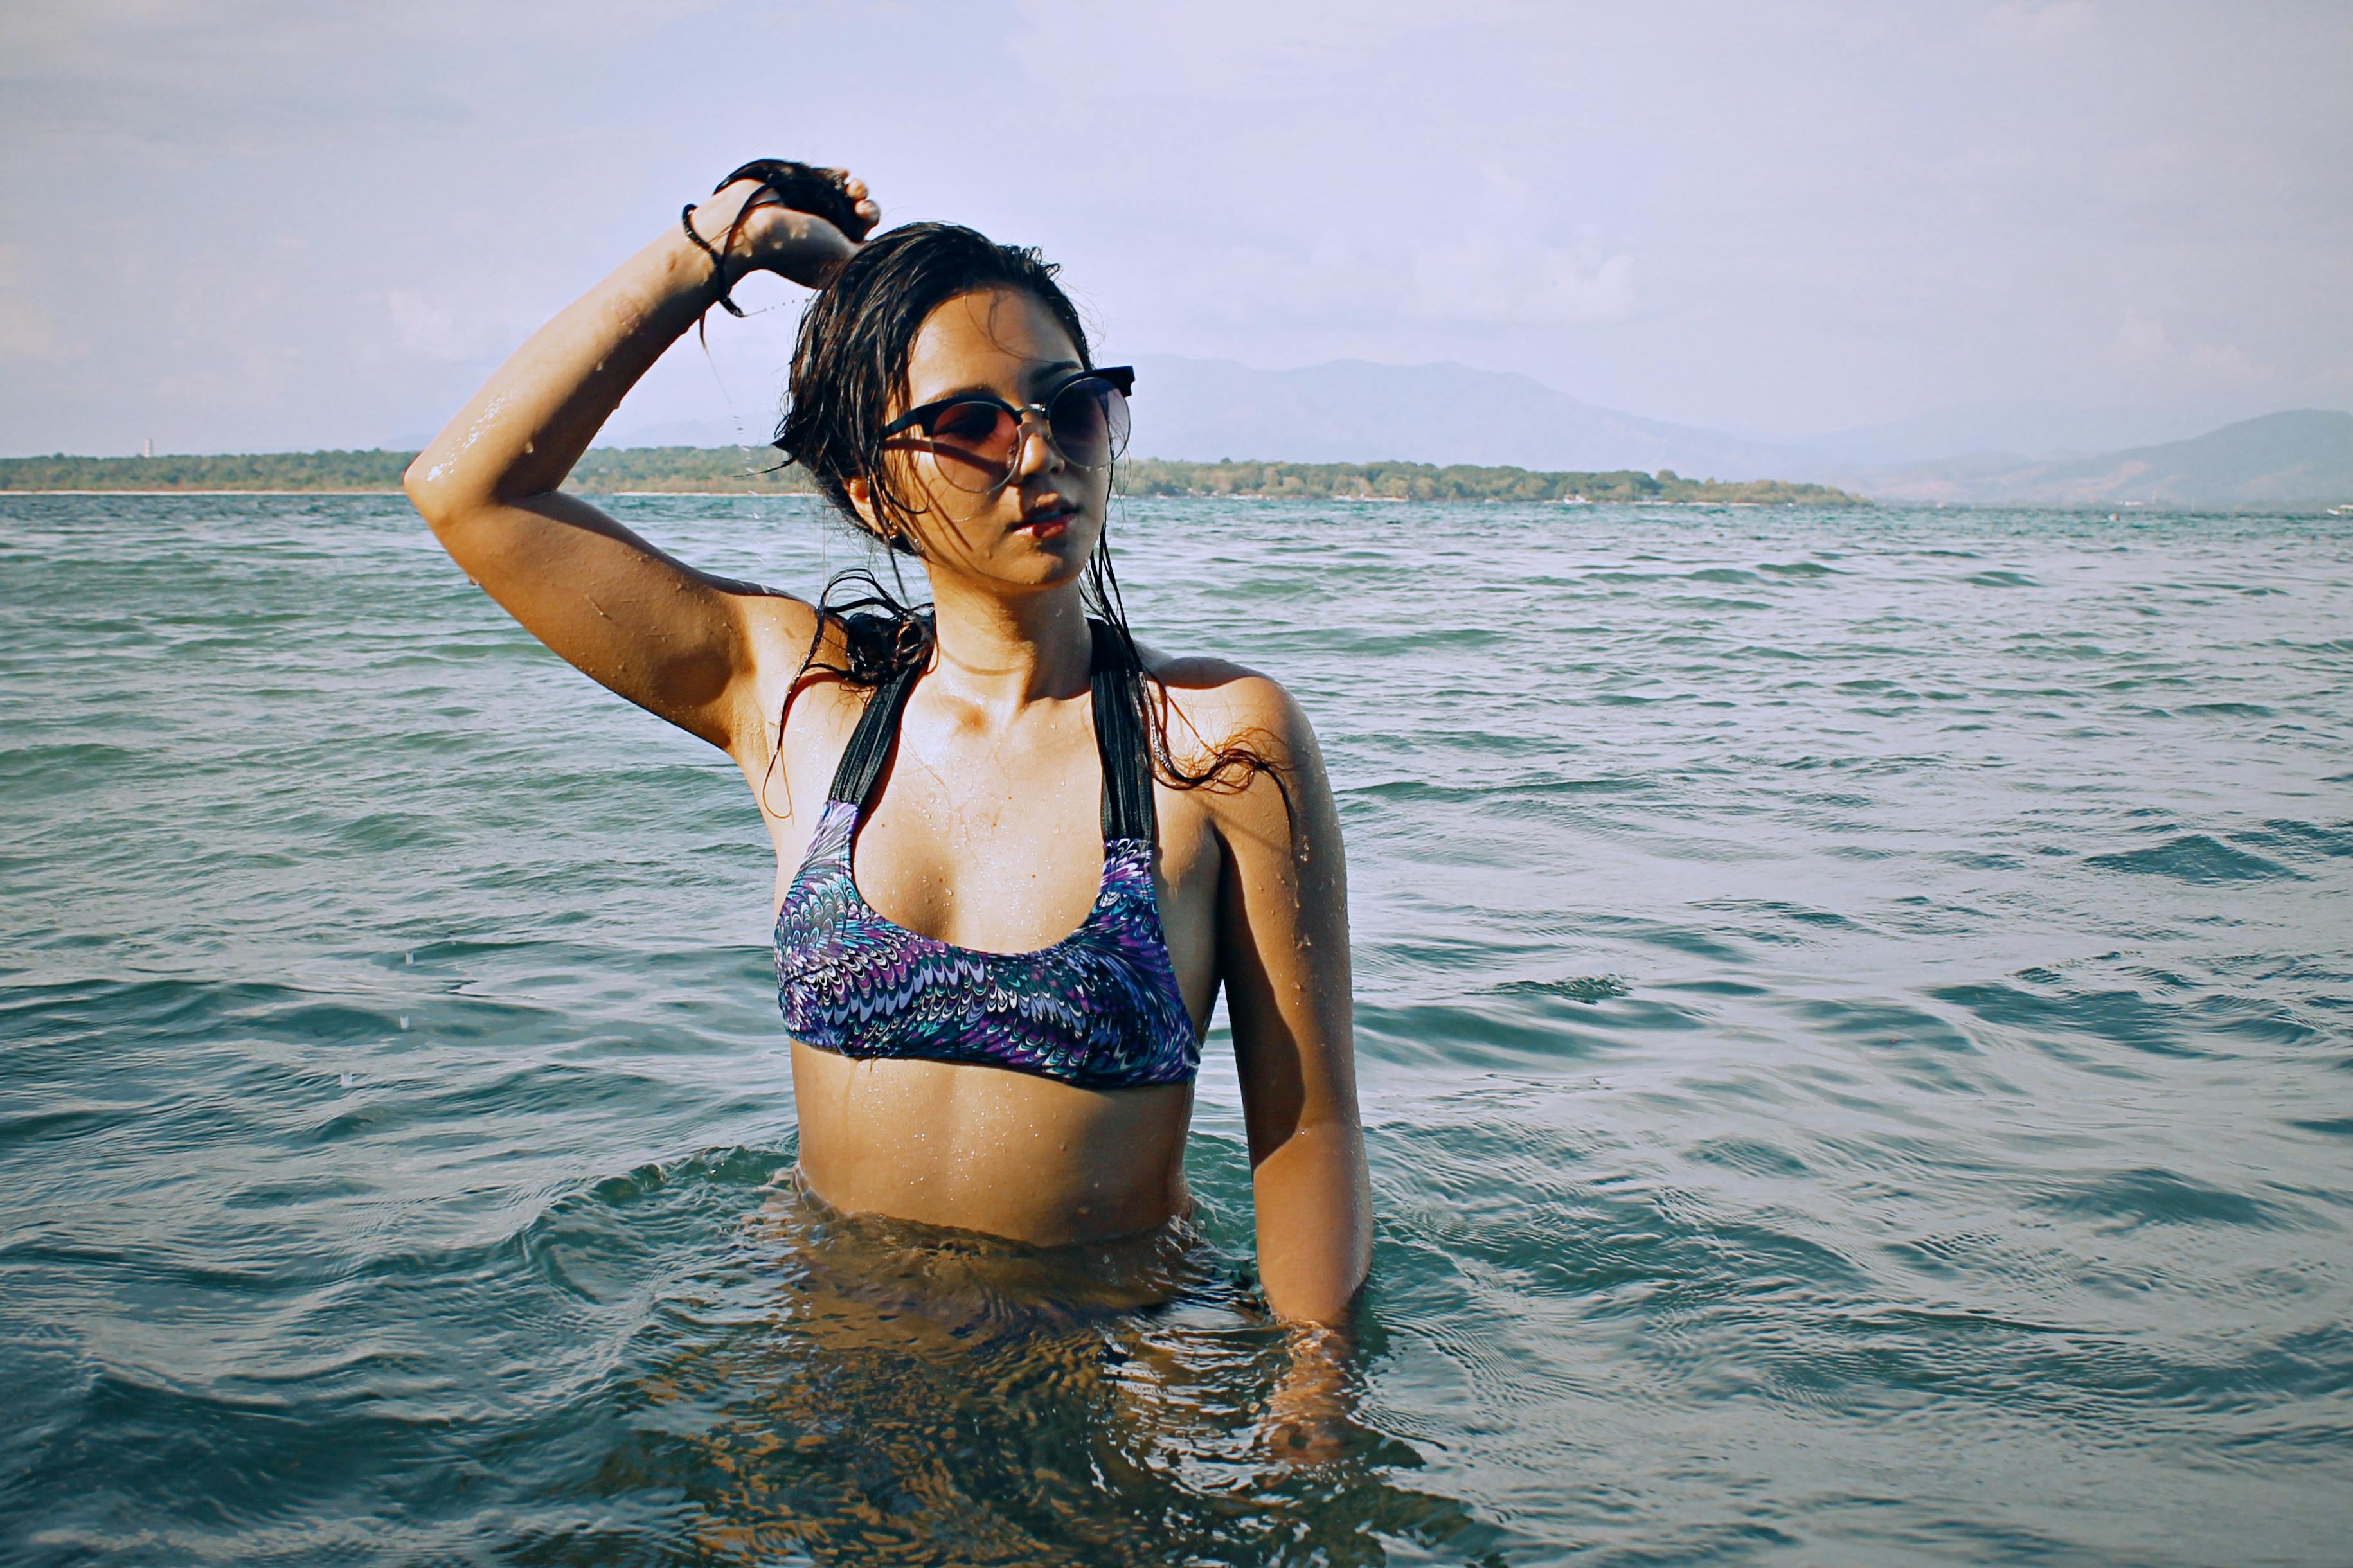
(718,262)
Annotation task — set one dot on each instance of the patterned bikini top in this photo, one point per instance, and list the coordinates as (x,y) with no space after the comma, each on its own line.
(1101,1008)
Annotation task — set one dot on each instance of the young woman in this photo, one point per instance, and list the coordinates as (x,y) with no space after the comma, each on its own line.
(1017,855)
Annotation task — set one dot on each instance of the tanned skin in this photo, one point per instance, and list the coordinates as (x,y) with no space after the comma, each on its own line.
(987,830)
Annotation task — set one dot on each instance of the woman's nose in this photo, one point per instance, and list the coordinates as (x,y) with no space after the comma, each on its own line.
(1035,434)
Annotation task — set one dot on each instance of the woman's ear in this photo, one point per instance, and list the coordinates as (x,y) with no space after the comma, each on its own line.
(894,533)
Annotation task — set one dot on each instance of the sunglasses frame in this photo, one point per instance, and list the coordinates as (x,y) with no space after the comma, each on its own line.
(1122,378)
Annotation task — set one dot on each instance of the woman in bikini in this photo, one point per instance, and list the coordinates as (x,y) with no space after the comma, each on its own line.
(1017,855)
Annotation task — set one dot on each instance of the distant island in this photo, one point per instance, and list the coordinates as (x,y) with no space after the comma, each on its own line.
(1456,482)
(603,470)
(732,470)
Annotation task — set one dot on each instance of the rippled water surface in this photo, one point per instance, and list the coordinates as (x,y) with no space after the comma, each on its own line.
(1854,1011)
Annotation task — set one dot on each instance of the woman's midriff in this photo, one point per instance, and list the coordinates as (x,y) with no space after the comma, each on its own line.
(984,1149)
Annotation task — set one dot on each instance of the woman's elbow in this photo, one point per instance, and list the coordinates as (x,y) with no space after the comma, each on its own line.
(434,488)
(422,484)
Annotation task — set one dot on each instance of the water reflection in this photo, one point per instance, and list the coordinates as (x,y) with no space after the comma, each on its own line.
(868,1391)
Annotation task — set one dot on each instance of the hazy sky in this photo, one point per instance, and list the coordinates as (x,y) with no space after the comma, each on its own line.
(262,224)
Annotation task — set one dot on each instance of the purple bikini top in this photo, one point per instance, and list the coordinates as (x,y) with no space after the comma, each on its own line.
(1101,1008)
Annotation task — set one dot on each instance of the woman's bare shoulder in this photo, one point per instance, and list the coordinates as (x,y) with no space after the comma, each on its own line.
(774,621)
(794,653)
(1215,704)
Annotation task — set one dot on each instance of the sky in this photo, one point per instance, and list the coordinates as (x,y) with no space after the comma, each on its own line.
(269,225)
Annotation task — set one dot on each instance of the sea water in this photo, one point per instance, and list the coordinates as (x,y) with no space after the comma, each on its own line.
(1856,1014)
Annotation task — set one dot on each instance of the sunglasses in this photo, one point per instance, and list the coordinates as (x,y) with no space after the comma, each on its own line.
(975,438)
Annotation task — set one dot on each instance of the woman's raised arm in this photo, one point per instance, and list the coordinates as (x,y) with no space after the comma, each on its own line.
(679,642)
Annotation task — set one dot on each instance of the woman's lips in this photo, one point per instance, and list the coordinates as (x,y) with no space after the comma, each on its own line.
(1047,524)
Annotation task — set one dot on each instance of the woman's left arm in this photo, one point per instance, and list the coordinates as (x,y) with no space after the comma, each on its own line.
(1284,955)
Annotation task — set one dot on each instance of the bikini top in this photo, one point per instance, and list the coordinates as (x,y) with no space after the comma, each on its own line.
(1101,1008)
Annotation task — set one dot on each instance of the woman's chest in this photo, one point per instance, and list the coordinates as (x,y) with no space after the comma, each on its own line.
(958,845)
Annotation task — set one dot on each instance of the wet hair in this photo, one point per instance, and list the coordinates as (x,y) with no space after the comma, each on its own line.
(850,362)
(849,367)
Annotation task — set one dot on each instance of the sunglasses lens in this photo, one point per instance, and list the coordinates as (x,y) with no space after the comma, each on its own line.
(1089,421)
(973,444)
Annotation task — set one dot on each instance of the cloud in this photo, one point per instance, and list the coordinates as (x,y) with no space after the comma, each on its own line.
(1800,214)
(2144,350)
(1477,280)
(432,327)
(2023,24)
(244,76)
(1490,261)
(1508,269)
(1505,284)
(1218,49)
(28,331)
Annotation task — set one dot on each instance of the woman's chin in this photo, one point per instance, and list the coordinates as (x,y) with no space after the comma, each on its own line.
(1036,571)
(1029,558)
(1048,555)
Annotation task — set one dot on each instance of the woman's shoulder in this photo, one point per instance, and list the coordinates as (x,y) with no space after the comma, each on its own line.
(796,659)
(776,624)
(1216,704)
(1247,742)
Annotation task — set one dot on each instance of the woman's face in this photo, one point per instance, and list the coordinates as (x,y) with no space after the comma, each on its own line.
(1038,529)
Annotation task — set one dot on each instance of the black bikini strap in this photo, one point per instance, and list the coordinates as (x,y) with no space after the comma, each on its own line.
(869,743)
(1118,693)
(1127,811)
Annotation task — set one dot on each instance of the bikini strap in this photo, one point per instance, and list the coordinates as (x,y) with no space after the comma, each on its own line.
(1127,809)
(869,743)
(1117,690)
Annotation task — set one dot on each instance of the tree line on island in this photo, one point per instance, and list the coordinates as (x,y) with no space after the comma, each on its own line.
(1454,482)
(734,470)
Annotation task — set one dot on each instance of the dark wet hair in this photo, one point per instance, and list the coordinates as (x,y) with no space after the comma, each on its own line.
(849,365)
(850,362)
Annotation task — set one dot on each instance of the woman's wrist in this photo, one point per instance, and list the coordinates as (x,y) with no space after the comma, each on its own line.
(726,270)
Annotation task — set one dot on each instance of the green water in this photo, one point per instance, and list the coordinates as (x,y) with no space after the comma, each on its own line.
(1855,1012)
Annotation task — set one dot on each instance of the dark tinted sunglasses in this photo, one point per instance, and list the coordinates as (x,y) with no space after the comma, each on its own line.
(975,438)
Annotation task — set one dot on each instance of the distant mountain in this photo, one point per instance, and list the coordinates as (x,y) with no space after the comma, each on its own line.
(2028,430)
(1352,410)
(2301,457)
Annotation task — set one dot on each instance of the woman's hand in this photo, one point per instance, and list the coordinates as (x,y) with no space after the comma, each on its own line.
(773,238)
(1309,1417)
